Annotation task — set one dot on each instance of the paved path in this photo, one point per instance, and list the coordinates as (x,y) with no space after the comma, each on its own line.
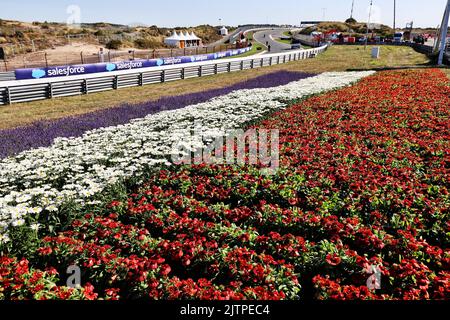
(270,36)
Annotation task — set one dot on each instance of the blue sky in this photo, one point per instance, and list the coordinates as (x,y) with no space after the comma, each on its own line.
(425,13)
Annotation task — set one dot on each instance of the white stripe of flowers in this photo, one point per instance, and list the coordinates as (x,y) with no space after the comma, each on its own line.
(40,180)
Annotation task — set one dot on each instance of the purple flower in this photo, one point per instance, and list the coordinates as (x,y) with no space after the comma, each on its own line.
(43,133)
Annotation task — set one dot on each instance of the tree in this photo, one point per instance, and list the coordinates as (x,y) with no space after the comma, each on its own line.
(351,21)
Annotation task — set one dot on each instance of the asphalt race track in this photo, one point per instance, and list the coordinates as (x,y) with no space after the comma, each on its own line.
(269,36)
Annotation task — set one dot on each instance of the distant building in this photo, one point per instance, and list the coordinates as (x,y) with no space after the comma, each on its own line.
(223,31)
(183,40)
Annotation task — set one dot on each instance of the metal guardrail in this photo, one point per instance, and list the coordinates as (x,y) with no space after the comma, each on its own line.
(39,89)
(7,76)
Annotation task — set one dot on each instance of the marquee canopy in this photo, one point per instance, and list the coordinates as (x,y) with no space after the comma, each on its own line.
(184,39)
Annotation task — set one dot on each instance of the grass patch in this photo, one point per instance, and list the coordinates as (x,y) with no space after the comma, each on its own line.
(285,41)
(337,58)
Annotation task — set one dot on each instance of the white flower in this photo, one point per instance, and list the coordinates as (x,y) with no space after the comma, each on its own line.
(18,223)
(35,227)
(4,238)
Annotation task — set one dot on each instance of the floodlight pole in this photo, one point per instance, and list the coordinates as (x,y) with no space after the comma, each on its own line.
(353,6)
(395,15)
(368,24)
(444,30)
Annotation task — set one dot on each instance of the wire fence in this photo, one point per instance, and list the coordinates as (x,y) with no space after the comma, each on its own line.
(47,58)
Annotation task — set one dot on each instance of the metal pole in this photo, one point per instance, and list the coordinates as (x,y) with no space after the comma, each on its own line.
(444,30)
(368,24)
(353,6)
(395,15)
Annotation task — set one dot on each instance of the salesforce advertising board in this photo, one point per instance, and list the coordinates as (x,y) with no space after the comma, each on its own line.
(75,70)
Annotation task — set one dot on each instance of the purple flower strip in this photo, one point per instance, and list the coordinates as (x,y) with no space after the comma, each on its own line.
(43,133)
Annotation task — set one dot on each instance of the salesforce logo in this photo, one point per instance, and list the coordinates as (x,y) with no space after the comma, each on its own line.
(159,62)
(38,73)
(110,66)
(193,59)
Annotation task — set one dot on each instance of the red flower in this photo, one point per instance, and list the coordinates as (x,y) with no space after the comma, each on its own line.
(333,259)
(89,293)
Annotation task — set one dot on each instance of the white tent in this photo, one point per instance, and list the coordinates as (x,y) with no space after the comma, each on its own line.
(223,31)
(173,40)
(194,37)
(183,40)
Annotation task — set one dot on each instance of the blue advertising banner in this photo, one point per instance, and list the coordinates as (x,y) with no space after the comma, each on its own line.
(75,70)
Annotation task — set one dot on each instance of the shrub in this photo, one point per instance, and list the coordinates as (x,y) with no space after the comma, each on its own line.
(114,45)
(144,43)
(19,34)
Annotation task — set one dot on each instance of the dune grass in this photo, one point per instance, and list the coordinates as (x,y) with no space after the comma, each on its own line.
(337,58)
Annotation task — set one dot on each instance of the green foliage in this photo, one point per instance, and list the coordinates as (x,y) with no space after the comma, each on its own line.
(114,45)
(146,43)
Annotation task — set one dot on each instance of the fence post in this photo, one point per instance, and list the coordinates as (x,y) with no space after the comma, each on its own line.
(163,76)
(50,90)
(85,88)
(46,60)
(8,96)
(82,59)
(116,82)
(242,65)
(216,69)
(200,71)
(262,62)
(183,72)
(6,65)
(229,67)
(270,61)
(141,79)
(252,64)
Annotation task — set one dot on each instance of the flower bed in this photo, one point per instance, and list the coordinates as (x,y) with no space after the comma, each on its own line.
(36,183)
(363,185)
(42,134)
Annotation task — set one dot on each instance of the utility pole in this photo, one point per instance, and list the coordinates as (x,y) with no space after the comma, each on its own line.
(324,13)
(353,7)
(444,30)
(368,24)
(395,15)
